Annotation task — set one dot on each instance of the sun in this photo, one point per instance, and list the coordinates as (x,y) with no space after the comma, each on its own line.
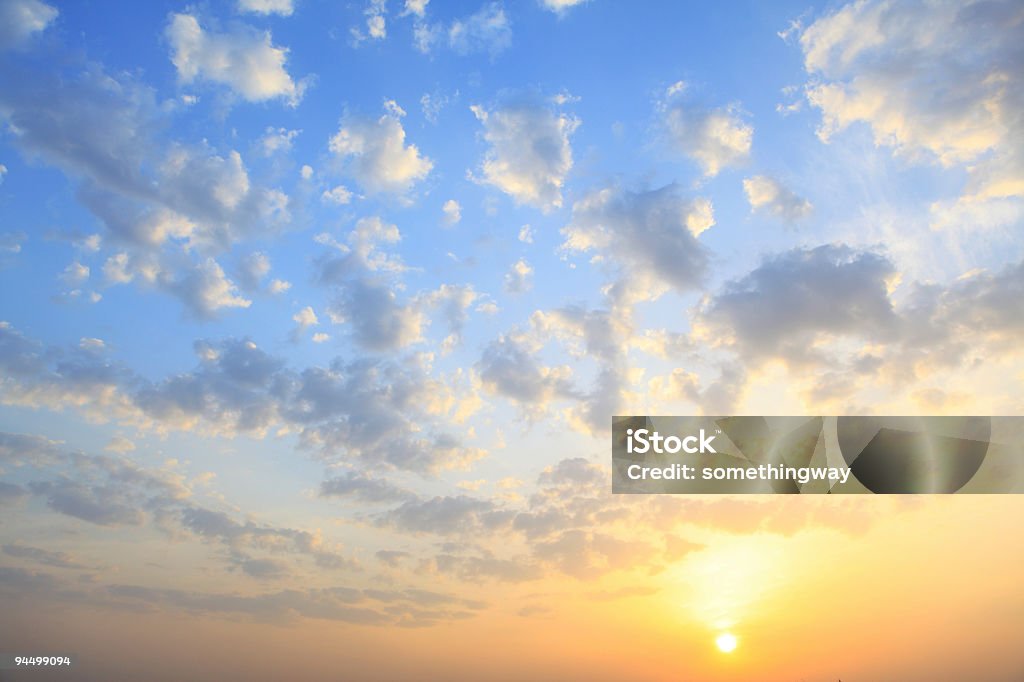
(726,642)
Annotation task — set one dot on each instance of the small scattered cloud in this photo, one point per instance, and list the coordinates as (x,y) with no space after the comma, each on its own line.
(375,153)
(714,138)
(529,154)
(487,30)
(769,195)
(281,7)
(519,278)
(452,212)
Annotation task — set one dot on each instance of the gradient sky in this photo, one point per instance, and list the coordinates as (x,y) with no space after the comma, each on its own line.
(313,318)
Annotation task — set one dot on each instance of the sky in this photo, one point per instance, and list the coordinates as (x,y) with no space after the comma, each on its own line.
(314,317)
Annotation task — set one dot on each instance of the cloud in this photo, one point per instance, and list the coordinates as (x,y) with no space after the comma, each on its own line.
(252,268)
(11,494)
(42,556)
(714,138)
(650,235)
(519,278)
(376,25)
(338,195)
(163,203)
(935,82)
(589,555)
(262,568)
(529,155)
(415,7)
(488,30)
(75,273)
(101,505)
(487,568)
(304,319)
(356,486)
(244,59)
(206,290)
(10,242)
(120,445)
(453,302)
(374,152)
(560,7)
(20,20)
(282,7)
(767,194)
(342,604)
(366,283)
(509,367)
(277,140)
(387,413)
(443,515)
(796,298)
(452,212)
(377,320)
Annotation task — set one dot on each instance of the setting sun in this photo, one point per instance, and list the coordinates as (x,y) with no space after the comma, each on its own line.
(726,643)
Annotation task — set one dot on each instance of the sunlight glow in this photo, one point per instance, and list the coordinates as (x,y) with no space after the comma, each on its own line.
(726,643)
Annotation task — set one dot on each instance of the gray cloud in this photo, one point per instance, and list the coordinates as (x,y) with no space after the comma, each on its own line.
(165,203)
(792,298)
(510,368)
(360,487)
(487,568)
(11,493)
(650,235)
(20,20)
(445,515)
(42,556)
(102,505)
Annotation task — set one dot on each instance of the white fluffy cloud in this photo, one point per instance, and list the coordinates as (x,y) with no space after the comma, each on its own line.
(338,195)
(244,59)
(205,289)
(560,6)
(282,7)
(768,194)
(376,24)
(529,155)
(714,138)
(22,19)
(277,140)
(452,212)
(416,7)
(304,319)
(519,277)
(935,81)
(374,152)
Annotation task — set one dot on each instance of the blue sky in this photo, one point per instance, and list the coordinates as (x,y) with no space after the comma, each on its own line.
(379,273)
